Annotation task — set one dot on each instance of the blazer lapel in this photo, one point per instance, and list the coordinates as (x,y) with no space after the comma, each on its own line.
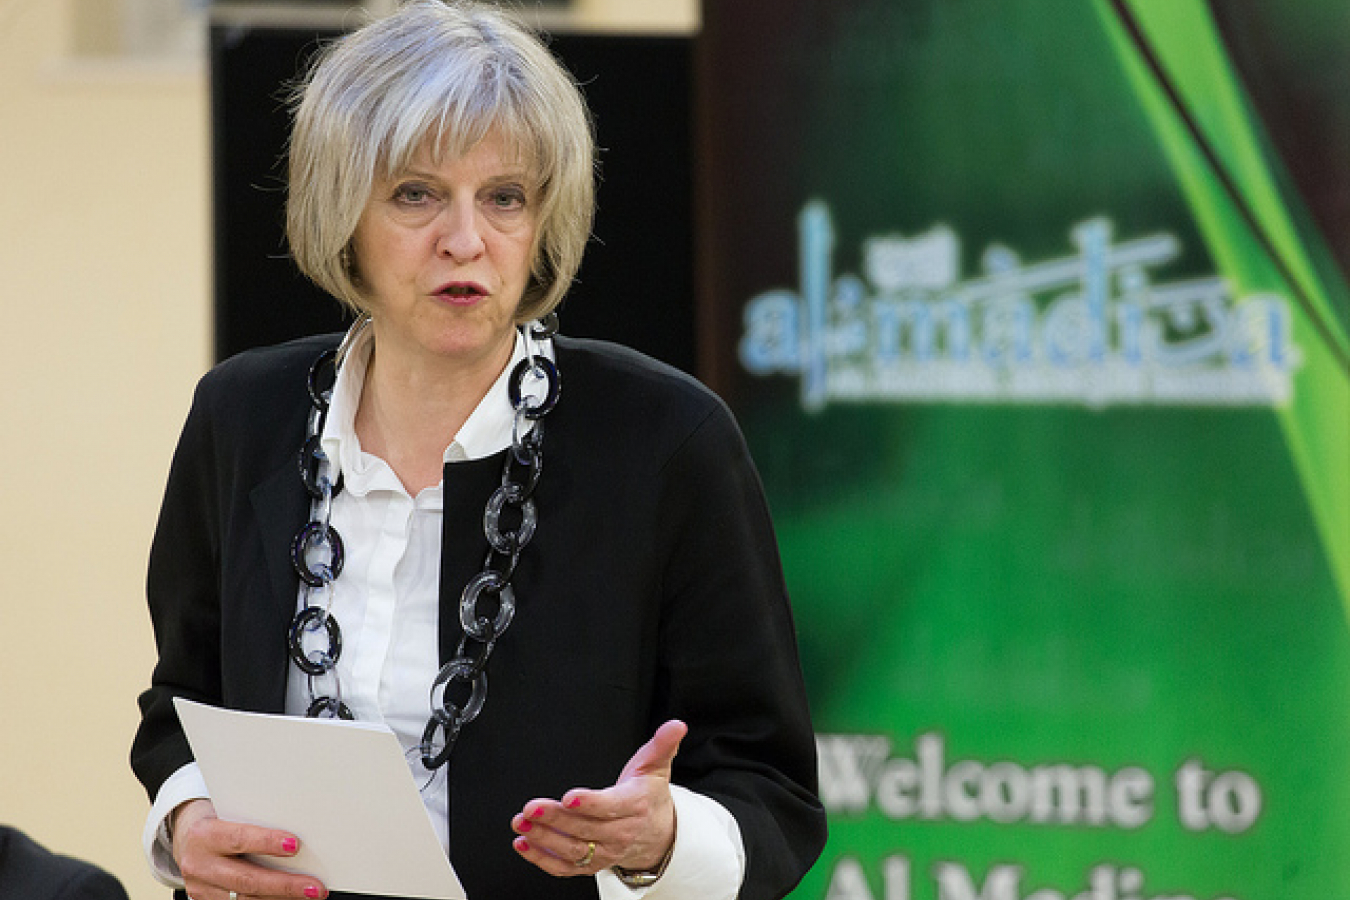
(467,487)
(280,507)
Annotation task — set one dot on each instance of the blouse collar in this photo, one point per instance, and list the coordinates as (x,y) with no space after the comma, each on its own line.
(487,430)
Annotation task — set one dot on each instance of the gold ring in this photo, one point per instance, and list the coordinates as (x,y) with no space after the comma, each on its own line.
(590,855)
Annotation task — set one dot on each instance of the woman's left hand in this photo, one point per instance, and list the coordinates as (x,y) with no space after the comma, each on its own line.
(631,824)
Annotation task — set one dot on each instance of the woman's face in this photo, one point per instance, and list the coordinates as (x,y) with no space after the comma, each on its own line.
(443,253)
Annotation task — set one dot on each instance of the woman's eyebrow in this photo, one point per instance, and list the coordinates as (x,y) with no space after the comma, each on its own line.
(413,172)
(513,174)
(511,177)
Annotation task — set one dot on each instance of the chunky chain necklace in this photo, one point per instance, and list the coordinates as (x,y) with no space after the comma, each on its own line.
(488,602)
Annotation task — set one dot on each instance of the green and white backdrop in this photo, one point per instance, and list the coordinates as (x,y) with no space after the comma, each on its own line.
(1035,313)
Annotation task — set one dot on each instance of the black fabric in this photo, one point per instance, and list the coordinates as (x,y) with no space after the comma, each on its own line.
(651,590)
(29,871)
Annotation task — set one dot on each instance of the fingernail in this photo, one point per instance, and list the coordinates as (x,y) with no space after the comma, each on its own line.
(290,845)
(312,892)
(537,812)
(522,845)
(526,825)
(573,803)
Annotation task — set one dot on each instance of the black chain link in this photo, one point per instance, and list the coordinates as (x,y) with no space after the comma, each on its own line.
(484,627)
(488,602)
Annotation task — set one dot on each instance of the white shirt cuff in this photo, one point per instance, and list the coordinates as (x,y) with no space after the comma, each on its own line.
(184,785)
(708,861)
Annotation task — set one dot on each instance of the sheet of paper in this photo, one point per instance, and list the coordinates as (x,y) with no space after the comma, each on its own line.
(343,788)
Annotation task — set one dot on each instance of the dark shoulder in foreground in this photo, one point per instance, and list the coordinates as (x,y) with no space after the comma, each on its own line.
(29,871)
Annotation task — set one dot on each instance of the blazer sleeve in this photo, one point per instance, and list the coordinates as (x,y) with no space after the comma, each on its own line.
(182,590)
(728,658)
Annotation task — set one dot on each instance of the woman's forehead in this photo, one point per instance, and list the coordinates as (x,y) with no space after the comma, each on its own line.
(496,146)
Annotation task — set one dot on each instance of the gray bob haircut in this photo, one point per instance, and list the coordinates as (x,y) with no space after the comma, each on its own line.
(443,74)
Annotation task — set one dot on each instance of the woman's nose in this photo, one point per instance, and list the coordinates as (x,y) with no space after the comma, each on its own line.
(460,238)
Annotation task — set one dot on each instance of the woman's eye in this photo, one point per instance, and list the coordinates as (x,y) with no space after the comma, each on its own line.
(508,198)
(414,194)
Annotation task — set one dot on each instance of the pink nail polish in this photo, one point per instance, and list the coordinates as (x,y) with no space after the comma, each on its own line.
(522,845)
(312,892)
(574,803)
(526,825)
(537,812)
(290,845)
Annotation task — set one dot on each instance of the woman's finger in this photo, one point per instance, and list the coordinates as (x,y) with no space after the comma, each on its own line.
(253,882)
(657,755)
(210,856)
(565,856)
(236,839)
(631,823)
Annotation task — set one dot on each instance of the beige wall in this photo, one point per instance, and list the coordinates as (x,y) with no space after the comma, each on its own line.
(676,15)
(105,326)
(104,291)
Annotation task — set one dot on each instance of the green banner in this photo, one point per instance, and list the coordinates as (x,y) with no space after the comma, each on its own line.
(1036,316)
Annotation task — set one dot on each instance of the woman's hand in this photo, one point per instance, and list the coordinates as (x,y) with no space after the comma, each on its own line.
(631,824)
(209,853)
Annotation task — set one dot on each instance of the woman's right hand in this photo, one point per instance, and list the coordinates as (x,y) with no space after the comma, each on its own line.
(209,853)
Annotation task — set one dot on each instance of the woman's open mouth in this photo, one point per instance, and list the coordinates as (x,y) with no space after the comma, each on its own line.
(461,292)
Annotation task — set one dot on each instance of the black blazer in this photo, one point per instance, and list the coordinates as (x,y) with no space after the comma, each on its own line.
(31,872)
(651,590)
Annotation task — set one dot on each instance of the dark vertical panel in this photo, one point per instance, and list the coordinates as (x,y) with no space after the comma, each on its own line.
(750,95)
(260,297)
(636,284)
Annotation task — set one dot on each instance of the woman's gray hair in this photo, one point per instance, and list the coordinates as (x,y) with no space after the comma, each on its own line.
(443,73)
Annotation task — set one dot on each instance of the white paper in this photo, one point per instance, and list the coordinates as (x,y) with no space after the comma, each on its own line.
(342,788)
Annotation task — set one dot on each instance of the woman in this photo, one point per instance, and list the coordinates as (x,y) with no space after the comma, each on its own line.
(604,557)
